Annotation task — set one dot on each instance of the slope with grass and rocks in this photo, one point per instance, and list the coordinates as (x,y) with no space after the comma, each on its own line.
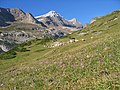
(88,59)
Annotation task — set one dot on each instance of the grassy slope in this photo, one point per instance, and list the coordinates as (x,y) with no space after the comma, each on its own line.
(90,64)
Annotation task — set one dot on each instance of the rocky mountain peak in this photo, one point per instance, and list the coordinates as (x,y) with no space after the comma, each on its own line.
(54,19)
(50,14)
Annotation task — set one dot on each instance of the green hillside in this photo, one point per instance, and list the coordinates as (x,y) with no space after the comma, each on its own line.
(92,62)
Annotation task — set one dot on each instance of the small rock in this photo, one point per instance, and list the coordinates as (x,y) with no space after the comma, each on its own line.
(1,84)
(88,56)
(105,49)
(91,37)
(14,88)
(83,39)
(76,40)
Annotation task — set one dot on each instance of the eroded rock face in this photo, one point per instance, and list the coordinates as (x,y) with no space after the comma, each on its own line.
(6,46)
(15,36)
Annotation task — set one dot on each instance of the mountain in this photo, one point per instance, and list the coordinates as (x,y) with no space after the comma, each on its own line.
(54,20)
(88,59)
(16,15)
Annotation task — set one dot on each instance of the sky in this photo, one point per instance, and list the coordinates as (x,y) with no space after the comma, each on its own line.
(83,10)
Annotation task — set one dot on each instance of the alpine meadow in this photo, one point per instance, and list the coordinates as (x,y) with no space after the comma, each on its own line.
(50,52)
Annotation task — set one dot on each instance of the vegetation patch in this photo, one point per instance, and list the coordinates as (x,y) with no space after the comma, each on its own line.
(8,55)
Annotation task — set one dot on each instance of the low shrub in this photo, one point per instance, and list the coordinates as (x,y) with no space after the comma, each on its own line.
(8,55)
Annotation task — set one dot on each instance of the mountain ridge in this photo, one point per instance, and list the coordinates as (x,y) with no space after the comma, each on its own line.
(51,19)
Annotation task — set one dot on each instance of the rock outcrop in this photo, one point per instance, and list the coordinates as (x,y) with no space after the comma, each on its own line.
(76,23)
(6,45)
(94,19)
(85,25)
